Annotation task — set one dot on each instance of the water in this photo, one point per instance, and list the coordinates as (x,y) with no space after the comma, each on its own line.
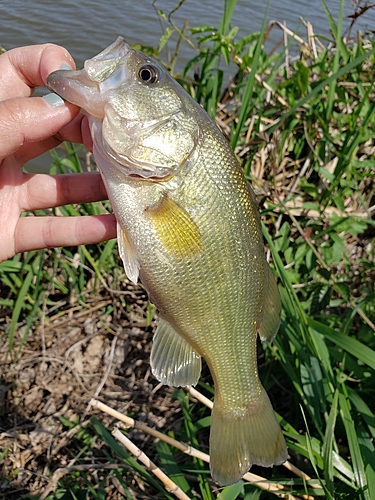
(86,27)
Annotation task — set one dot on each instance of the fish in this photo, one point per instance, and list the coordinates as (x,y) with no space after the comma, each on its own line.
(189,229)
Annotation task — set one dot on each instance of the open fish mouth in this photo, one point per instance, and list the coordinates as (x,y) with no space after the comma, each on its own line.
(88,88)
(131,143)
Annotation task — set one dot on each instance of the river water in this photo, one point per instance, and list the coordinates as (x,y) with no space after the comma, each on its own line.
(85,27)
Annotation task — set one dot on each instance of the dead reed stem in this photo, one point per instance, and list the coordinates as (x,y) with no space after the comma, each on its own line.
(258,481)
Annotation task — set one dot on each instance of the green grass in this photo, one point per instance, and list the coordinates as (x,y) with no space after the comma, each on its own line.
(311,138)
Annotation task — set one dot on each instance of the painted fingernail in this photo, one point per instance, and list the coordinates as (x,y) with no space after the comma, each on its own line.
(65,66)
(54,100)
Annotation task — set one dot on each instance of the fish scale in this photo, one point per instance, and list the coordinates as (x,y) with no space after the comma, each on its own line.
(189,227)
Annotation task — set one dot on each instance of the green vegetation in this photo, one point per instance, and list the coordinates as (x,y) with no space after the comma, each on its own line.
(303,130)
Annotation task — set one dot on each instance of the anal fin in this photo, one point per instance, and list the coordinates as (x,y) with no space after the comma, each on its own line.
(173,360)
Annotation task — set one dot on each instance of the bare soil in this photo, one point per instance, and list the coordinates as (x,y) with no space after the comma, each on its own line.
(67,360)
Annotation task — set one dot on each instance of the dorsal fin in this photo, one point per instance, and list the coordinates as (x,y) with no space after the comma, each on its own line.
(270,318)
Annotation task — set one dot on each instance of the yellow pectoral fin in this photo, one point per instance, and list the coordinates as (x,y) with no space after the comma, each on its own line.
(176,230)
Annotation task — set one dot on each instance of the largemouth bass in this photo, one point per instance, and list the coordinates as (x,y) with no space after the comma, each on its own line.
(189,228)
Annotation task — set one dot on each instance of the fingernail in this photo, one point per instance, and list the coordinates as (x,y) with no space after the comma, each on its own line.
(65,66)
(54,100)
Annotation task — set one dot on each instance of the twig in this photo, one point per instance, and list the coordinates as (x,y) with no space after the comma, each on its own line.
(271,24)
(169,485)
(81,314)
(301,173)
(258,481)
(298,472)
(286,50)
(272,90)
(105,376)
(197,395)
(189,450)
(310,38)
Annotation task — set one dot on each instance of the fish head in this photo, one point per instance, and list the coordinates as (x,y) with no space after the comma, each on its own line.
(141,120)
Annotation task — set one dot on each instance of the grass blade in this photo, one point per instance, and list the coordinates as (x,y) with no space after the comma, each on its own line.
(320,86)
(229,6)
(355,451)
(329,440)
(364,410)
(368,452)
(231,492)
(171,467)
(351,345)
(335,66)
(18,307)
(244,110)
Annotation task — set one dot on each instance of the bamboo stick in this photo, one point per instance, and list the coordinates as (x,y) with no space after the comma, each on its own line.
(169,485)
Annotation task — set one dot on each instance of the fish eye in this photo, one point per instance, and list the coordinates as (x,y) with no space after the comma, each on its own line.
(148,74)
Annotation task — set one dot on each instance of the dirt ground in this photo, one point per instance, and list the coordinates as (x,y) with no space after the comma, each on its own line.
(68,359)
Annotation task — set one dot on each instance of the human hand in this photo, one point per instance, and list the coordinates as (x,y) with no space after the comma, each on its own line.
(30,126)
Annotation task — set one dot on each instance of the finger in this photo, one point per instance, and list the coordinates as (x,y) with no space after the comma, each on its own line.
(34,233)
(24,68)
(29,151)
(43,191)
(86,134)
(31,120)
(76,131)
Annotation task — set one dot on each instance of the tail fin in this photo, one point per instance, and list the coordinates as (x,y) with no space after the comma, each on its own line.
(238,441)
